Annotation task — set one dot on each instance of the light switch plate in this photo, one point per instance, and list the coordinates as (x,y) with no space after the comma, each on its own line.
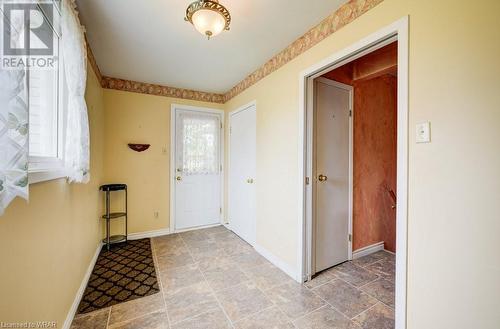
(423,132)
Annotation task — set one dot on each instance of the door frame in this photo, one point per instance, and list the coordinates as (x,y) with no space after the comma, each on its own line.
(173,127)
(229,117)
(395,31)
(313,182)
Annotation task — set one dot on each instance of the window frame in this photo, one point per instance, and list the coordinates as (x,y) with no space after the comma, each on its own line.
(42,168)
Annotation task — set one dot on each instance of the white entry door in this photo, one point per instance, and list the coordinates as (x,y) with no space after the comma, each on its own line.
(242,217)
(332,182)
(197,168)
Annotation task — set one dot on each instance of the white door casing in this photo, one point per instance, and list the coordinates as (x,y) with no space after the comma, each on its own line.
(333,168)
(242,172)
(388,34)
(196,167)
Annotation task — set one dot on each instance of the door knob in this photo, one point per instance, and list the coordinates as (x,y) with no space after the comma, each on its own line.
(179,178)
(322,178)
(250,181)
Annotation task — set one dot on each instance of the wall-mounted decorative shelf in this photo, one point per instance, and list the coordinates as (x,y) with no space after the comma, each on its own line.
(139,147)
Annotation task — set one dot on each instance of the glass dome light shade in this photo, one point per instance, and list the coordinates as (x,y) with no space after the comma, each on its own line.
(208,22)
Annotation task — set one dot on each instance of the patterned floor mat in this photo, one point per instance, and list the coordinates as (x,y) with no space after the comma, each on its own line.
(123,273)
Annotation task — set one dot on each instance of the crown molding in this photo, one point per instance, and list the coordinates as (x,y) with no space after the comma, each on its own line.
(344,15)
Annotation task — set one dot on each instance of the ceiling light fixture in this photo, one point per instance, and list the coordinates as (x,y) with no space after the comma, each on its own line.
(209,17)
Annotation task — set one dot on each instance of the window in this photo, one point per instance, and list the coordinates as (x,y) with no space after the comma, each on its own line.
(46,104)
(199,143)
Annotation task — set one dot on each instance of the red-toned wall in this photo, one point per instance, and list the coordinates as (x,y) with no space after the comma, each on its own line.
(375,119)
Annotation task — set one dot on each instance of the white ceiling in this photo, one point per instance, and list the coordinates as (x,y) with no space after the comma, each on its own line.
(149,41)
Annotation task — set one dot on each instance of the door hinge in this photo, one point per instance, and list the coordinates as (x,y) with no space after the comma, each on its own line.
(231,130)
(307,180)
(220,167)
(220,211)
(221,125)
(350,237)
(350,113)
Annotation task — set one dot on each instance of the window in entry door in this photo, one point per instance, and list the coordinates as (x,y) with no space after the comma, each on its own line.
(198,143)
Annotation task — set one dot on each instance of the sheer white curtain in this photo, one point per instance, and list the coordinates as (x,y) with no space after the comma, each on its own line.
(13,128)
(199,143)
(77,149)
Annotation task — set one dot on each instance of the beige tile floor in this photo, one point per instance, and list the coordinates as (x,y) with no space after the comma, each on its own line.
(210,278)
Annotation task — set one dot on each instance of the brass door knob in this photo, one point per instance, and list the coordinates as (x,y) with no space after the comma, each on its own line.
(322,178)
(179,178)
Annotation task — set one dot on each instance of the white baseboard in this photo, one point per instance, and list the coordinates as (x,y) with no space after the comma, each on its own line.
(81,290)
(197,228)
(148,234)
(290,271)
(368,250)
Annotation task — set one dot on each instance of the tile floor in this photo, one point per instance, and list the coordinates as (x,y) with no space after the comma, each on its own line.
(210,278)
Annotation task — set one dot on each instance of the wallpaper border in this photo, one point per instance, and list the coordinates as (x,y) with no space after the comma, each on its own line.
(160,90)
(93,62)
(344,15)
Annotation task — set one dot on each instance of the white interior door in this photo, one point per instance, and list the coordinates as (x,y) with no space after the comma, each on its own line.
(242,217)
(332,173)
(197,168)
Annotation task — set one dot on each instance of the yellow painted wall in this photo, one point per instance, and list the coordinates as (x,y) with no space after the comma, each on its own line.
(141,118)
(454,182)
(46,245)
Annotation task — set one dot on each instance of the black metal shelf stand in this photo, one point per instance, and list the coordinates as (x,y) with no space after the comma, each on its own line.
(108,216)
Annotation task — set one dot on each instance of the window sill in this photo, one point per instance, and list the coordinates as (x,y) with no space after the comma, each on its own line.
(45,175)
